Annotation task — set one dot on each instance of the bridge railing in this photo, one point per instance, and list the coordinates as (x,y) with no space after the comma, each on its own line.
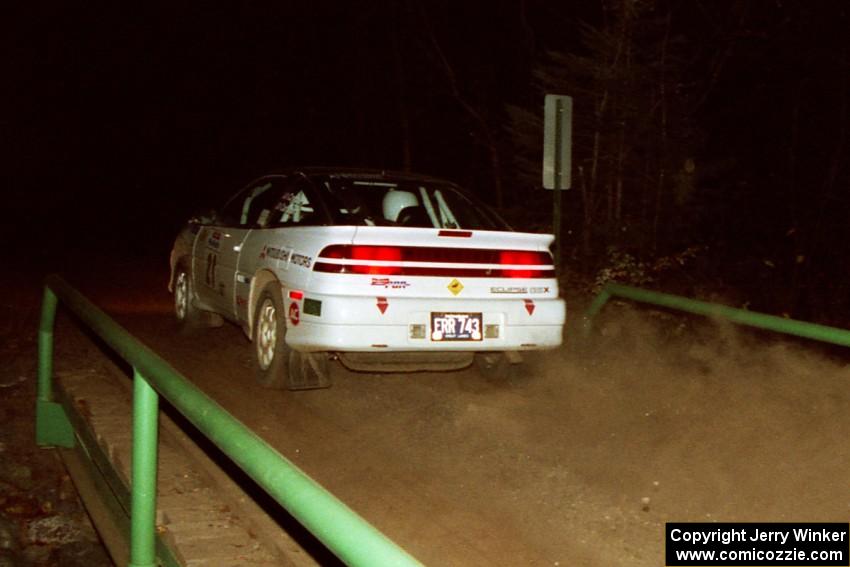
(351,538)
(803,329)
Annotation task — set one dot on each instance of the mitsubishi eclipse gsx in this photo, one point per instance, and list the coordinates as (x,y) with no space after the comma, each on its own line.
(385,272)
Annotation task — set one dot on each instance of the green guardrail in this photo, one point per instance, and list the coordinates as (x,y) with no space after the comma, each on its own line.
(803,329)
(351,538)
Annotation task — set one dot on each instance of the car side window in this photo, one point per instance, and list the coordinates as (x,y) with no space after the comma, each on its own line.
(259,208)
(240,210)
(292,202)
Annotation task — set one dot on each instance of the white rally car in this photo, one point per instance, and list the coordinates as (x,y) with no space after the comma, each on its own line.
(383,271)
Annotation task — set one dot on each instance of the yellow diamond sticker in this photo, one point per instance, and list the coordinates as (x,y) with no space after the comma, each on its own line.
(455,287)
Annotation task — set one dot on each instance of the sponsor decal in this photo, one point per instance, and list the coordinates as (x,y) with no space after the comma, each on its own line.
(294,314)
(382,304)
(313,307)
(214,241)
(455,286)
(387,283)
(529,306)
(274,253)
(301,260)
(518,289)
(508,290)
(241,301)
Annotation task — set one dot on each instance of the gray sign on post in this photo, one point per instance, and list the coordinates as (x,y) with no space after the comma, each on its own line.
(557,141)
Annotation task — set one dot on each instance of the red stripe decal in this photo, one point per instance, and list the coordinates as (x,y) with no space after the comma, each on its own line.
(436,271)
(367,252)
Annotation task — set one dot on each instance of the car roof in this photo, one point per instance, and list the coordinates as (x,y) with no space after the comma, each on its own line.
(359,173)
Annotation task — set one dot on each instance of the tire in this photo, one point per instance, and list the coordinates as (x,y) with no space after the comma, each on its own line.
(271,354)
(279,366)
(188,316)
(495,367)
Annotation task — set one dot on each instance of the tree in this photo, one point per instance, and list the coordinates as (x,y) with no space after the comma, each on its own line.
(633,143)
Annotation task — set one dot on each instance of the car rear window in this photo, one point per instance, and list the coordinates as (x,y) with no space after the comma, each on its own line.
(413,203)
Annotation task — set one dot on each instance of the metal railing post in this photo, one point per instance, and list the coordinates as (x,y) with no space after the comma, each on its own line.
(52,427)
(45,345)
(143,497)
(595,307)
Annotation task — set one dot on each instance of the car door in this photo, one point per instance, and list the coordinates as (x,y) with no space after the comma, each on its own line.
(273,243)
(218,249)
(258,250)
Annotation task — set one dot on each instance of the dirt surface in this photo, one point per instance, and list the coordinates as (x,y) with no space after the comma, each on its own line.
(581,461)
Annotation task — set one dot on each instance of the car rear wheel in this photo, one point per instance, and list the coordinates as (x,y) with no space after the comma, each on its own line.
(279,366)
(272,354)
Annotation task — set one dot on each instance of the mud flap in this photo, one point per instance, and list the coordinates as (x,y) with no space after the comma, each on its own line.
(211,320)
(513,357)
(308,371)
(499,366)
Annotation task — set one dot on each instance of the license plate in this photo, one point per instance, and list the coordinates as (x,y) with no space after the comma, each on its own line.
(455,326)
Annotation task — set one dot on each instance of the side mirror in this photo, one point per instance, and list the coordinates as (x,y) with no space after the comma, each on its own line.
(204,216)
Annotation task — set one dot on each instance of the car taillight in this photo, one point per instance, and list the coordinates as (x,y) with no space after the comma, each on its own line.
(336,251)
(378,259)
(376,253)
(521,258)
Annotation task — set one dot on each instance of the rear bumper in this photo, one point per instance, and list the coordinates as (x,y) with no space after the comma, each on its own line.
(372,324)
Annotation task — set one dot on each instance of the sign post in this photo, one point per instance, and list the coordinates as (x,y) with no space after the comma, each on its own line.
(557,157)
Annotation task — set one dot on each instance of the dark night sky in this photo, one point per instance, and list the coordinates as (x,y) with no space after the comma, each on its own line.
(120,119)
(164,106)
